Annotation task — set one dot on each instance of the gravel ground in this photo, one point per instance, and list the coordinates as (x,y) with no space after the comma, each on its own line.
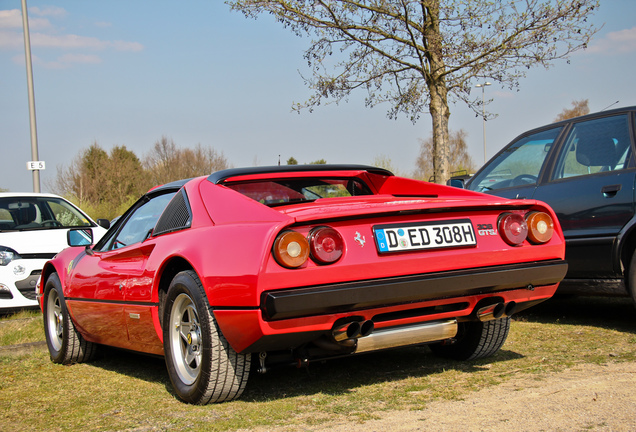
(584,398)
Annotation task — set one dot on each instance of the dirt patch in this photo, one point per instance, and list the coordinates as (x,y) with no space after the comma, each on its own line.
(587,397)
(21,349)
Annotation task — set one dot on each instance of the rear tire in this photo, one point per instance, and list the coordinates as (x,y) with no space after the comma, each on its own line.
(475,340)
(66,345)
(202,366)
(631,278)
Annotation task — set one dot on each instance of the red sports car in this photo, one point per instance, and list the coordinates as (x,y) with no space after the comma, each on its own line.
(299,263)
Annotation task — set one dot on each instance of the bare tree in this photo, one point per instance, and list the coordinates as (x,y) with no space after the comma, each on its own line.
(579,108)
(167,163)
(420,55)
(460,159)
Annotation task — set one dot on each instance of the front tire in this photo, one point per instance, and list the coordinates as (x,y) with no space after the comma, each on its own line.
(202,366)
(475,340)
(66,345)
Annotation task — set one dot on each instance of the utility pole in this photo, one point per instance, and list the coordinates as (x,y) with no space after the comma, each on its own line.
(34,133)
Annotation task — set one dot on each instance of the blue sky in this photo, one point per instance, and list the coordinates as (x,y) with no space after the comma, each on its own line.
(129,72)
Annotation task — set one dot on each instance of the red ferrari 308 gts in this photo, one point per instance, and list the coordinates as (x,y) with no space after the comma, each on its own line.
(299,263)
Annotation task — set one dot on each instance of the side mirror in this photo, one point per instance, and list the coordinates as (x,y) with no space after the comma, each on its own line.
(456,182)
(79,237)
(104,223)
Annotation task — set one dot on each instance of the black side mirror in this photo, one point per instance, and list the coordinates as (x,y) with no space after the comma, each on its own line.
(456,182)
(104,223)
(79,237)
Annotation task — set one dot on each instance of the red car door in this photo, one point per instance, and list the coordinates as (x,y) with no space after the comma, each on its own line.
(95,296)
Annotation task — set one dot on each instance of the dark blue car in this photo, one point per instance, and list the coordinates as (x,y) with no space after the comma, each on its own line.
(584,168)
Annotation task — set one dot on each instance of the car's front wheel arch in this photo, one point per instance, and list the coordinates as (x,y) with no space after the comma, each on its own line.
(66,345)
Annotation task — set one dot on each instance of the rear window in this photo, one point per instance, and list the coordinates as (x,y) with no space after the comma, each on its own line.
(291,191)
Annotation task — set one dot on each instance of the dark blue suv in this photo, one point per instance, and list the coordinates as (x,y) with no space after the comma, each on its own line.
(584,169)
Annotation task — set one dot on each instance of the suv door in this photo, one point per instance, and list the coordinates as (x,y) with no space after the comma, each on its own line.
(591,188)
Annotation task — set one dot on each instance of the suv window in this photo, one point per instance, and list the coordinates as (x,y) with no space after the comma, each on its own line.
(595,146)
(519,164)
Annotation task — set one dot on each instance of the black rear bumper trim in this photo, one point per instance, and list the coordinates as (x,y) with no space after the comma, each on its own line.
(352,296)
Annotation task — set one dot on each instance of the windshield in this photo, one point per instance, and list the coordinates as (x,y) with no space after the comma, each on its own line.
(518,165)
(36,213)
(291,191)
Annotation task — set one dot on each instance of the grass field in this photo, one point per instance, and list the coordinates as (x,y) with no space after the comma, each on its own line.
(126,391)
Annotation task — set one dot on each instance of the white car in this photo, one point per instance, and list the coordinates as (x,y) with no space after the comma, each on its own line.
(33,228)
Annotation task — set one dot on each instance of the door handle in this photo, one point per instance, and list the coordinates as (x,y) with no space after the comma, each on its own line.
(610,190)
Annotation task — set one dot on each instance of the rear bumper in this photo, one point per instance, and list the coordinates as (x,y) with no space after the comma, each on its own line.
(348,297)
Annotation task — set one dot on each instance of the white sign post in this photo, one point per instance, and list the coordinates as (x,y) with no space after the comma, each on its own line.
(36,165)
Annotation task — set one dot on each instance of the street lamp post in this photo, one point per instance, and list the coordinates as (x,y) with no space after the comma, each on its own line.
(483,113)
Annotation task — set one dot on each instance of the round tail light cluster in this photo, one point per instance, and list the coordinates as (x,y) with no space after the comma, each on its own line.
(291,249)
(537,227)
(540,227)
(324,244)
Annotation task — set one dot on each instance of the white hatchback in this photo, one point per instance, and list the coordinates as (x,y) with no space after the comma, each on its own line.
(33,228)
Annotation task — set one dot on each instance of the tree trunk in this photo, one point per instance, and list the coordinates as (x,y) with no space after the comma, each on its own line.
(439,116)
(436,83)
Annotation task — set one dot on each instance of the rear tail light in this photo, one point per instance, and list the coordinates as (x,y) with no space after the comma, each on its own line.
(326,245)
(540,227)
(291,249)
(513,228)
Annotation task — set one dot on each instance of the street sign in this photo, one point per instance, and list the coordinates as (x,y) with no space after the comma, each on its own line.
(35,165)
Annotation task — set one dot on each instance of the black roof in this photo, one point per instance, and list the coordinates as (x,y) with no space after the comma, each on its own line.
(221,176)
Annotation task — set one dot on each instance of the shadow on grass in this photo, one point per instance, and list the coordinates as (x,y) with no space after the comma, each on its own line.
(334,377)
(344,375)
(617,313)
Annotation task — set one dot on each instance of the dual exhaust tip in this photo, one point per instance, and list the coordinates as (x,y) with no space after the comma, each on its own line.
(352,330)
(359,336)
(496,311)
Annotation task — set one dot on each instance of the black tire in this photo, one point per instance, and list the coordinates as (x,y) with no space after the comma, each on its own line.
(631,278)
(66,345)
(475,340)
(202,366)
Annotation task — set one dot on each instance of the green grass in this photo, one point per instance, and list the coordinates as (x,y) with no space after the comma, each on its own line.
(126,391)
(22,327)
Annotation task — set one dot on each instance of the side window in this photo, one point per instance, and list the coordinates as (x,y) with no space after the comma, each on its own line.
(65,215)
(595,146)
(139,224)
(518,165)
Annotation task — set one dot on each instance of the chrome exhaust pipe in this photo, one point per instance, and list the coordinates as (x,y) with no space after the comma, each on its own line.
(491,312)
(496,311)
(346,331)
(366,328)
(352,330)
(510,308)
(394,337)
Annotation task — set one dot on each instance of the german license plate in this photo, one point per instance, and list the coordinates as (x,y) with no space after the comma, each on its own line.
(424,235)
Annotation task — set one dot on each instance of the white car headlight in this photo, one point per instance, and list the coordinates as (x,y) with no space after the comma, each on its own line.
(6,257)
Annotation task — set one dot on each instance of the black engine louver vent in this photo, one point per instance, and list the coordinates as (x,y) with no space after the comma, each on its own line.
(176,216)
